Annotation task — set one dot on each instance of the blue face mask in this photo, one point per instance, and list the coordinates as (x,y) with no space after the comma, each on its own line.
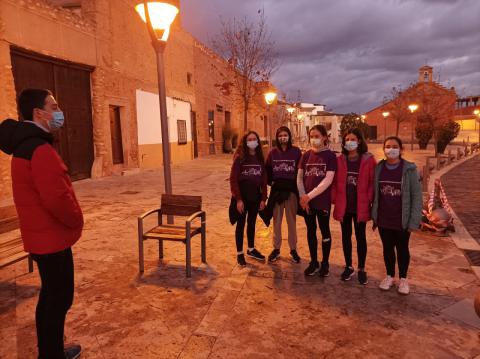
(57,120)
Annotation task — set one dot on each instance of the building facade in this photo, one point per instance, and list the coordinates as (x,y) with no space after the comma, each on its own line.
(430,96)
(96,57)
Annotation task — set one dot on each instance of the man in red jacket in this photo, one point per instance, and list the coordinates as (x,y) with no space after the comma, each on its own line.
(51,220)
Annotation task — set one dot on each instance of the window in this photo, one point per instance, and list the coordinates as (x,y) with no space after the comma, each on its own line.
(182,132)
(425,76)
(116,135)
(189,78)
(211,126)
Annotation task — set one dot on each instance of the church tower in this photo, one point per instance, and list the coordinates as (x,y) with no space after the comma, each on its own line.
(425,74)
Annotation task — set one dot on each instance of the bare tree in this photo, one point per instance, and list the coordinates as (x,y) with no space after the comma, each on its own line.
(398,107)
(250,51)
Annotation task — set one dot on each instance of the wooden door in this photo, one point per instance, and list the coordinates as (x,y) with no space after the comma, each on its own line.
(70,84)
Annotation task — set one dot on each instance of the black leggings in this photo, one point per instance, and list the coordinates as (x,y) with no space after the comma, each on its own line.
(360,236)
(56,297)
(395,239)
(323,218)
(249,215)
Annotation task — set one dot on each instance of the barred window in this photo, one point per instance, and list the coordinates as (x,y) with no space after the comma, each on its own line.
(182,132)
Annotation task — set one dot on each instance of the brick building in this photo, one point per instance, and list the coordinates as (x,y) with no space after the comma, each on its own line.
(96,56)
(468,121)
(430,96)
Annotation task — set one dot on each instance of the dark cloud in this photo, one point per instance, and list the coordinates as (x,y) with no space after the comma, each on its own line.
(348,54)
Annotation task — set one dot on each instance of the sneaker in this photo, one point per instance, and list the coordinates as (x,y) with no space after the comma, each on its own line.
(274,255)
(73,351)
(312,268)
(387,283)
(295,256)
(324,270)
(241,260)
(362,277)
(403,287)
(256,255)
(347,273)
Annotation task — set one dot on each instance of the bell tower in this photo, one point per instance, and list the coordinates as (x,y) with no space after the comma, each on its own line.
(425,74)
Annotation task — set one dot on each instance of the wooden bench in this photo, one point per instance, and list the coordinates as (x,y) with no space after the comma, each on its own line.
(11,246)
(175,205)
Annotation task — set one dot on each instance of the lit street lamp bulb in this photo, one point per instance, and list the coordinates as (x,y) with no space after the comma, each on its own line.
(385,114)
(413,108)
(363,117)
(476,112)
(290,110)
(161,13)
(270,97)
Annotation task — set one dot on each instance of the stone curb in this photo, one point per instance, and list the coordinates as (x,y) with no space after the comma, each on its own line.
(461,237)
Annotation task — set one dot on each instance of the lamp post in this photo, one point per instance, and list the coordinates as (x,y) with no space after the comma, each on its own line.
(270,98)
(159,16)
(413,107)
(290,111)
(477,113)
(385,115)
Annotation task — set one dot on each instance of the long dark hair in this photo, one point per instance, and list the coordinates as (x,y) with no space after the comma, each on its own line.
(242,148)
(395,138)
(362,145)
(322,130)
(289,143)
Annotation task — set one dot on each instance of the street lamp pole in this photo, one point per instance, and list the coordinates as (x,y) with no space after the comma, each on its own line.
(158,16)
(270,98)
(413,107)
(385,115)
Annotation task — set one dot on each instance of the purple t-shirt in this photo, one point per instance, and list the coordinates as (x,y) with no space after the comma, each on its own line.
(283,164)
(315,166)
(353,168)
(251,170)
(390,199)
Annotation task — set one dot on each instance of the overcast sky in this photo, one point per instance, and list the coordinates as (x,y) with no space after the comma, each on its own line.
(347,54)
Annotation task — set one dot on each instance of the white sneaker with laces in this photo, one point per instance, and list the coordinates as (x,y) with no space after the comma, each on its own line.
(386,284)
(403,287)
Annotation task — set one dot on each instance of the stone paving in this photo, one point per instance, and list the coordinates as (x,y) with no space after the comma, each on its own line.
(463,190)
(223,311)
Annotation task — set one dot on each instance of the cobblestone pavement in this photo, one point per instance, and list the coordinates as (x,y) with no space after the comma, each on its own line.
(262,311)
(462,186)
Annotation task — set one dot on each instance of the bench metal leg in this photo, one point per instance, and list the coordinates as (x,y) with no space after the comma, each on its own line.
(140,246)
(30,264)
(188,256)
(160,249)
(204,242)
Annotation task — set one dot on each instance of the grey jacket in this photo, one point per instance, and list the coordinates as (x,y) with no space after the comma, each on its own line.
(412,199)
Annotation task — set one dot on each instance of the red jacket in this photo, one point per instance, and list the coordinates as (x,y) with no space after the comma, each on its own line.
(365,188)
(50,217)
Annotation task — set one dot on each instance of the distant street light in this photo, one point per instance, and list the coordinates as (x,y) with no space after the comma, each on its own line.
(477,113)
(413,107)
(159,16)
(270,98)
(363,117)
(385,115)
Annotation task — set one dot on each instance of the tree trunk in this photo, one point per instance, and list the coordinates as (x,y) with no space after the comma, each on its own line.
(245,116)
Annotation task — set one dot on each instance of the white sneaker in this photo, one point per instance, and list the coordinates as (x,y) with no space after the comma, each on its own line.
(387,283)
(403,287)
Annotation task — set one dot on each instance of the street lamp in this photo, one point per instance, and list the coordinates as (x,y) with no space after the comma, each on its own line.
(477,113)
(270,98)
(385,115)
(363,117)
(412,107)
(159,16)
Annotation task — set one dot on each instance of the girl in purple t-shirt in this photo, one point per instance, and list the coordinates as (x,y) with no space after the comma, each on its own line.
(315,176)
(248,183)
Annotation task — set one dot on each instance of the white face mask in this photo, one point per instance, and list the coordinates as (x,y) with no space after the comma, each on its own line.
(351,145)
(252,144)
(392,153)
(316,142)
(283,139)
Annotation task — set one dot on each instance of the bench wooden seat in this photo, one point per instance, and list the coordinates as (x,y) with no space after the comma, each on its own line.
(175,205)
(11,245)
